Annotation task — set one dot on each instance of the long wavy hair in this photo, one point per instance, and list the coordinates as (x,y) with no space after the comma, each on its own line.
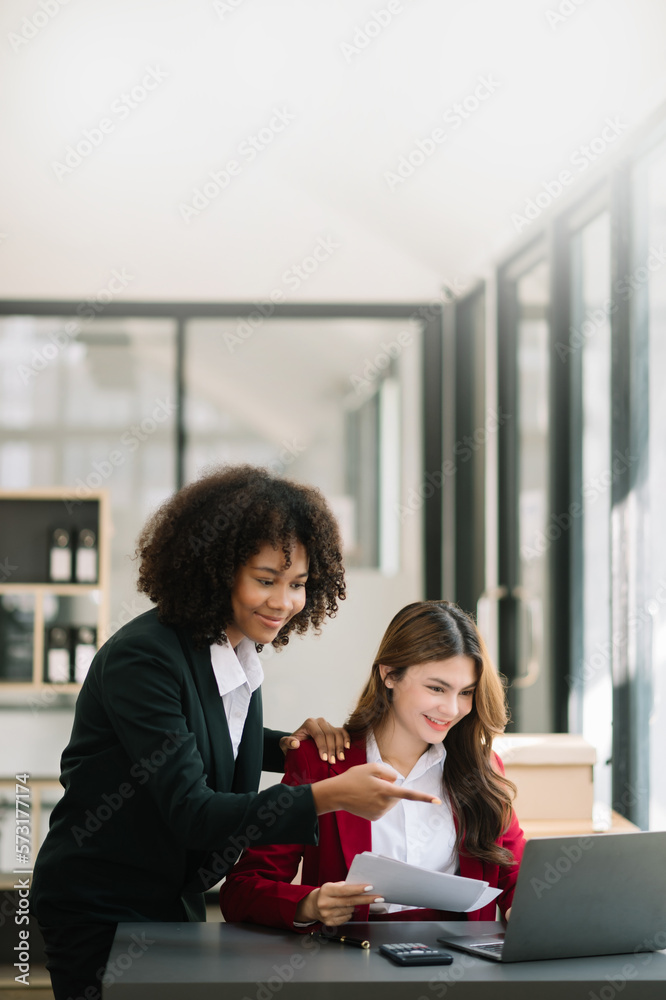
(480,795)
(193,545)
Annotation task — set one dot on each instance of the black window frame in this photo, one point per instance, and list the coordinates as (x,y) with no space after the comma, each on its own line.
(428,314)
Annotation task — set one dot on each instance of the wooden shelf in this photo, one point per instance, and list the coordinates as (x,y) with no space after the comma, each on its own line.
(31,687)
(61,589)
(22,536)
(574,827)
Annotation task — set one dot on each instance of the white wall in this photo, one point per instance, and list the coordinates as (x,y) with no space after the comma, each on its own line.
(362,98)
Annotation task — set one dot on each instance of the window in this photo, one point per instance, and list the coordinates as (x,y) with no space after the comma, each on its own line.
(587,355)
(525,530)
(645,287)
(90,404)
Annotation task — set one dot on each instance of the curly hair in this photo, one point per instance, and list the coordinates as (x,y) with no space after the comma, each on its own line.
(192,546)
(480,796)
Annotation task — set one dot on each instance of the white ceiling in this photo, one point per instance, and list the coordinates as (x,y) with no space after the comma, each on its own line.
(556,79)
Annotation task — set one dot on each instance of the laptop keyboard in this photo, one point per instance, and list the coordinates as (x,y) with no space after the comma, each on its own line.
(492,949)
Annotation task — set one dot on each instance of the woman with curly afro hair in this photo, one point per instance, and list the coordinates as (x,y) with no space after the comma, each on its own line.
(167,747)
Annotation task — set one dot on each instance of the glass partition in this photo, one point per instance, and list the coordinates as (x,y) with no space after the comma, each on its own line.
(587,353)
(91,405)
(646,286)
(335,403)
(532,682)
(316,400)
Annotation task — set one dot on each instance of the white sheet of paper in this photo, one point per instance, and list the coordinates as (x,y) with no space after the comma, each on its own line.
(410,885)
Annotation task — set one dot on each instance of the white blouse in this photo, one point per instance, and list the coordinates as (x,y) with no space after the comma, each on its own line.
(238,673)
(416,832)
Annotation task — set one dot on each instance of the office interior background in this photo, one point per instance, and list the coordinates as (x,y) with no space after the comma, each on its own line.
(413,254)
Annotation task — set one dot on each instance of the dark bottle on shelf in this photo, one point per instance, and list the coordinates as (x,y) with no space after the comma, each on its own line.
(84,643)
(60,556)
(86,556)
(58,655)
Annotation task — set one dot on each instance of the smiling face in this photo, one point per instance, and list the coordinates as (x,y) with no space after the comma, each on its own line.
(430,699)
(267,594)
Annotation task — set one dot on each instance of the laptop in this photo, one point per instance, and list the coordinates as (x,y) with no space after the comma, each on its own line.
(599,895)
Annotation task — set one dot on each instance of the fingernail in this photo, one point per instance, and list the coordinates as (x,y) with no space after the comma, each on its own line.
(437,802)
(341,755)
(368,888)
(324,756)
(348,745)
(294,743)
(380,899)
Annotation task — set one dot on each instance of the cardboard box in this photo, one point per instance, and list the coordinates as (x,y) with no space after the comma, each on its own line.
(552,772)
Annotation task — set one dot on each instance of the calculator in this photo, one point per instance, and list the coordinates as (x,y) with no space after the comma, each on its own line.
(415,953)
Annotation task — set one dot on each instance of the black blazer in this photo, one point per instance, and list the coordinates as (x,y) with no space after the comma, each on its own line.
(155,808)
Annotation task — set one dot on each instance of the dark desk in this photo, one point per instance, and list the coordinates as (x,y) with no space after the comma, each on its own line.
(193,961)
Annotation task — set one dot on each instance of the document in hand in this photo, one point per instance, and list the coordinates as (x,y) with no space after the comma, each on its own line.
(410,885)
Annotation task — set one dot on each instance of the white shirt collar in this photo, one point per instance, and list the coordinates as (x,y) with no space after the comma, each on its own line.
(433,756)
(235,667)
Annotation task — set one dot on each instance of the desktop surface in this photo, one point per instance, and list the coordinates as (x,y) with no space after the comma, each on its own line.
(191,961)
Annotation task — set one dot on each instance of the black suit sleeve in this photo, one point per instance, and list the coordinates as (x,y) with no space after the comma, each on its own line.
(273,756)
(141,692)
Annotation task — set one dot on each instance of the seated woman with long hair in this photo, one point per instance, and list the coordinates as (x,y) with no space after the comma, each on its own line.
(430,710)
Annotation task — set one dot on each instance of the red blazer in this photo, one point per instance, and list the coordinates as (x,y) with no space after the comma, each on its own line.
(259,889)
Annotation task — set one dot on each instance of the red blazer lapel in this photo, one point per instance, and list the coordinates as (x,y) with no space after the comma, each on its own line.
(355,833)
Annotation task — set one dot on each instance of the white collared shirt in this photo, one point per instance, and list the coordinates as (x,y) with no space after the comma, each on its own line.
(238,673)
(416,832)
